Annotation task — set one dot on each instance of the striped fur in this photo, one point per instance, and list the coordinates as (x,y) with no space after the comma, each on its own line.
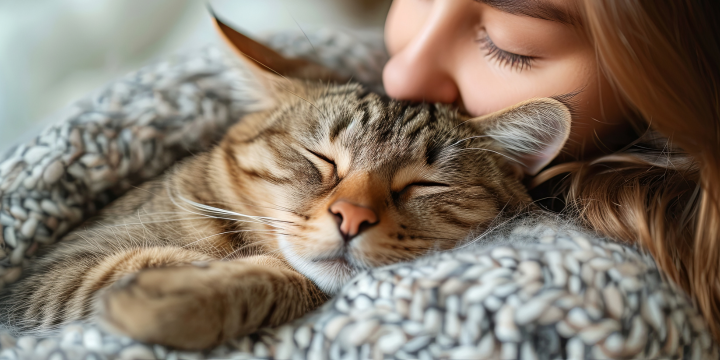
(241,236)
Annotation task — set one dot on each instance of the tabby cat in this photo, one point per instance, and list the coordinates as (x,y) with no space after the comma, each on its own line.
(322,182)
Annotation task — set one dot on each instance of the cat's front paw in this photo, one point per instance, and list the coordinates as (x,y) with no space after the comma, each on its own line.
(174,306)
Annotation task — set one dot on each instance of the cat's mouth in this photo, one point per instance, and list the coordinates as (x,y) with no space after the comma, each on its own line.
(330,264)
(342,260)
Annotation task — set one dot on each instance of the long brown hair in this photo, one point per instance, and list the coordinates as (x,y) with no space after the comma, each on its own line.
(663,59)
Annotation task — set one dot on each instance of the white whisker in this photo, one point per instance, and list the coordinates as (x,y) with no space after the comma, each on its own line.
(223,233)
(495,152)
(469,138)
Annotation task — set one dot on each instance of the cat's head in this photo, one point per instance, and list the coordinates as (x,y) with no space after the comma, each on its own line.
(338,179)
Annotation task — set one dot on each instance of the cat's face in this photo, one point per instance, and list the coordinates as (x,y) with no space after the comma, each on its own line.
(347,180)
(338,180)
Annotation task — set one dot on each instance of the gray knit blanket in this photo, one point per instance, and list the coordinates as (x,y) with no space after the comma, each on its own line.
(535,287)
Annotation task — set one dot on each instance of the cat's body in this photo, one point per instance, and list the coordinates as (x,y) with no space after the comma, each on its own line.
(325,182)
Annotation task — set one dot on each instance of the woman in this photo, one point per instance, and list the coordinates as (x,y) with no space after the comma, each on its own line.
(629,68)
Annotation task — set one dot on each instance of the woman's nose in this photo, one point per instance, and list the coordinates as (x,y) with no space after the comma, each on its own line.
(419,71)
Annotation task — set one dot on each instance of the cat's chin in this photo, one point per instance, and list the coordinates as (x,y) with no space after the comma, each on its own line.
(329,274)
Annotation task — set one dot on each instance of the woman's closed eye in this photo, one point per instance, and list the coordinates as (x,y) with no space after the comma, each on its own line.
(502,57)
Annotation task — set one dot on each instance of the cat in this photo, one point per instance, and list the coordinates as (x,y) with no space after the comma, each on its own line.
(324,181)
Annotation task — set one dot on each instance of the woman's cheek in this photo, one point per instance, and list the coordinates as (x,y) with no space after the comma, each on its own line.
(485,89)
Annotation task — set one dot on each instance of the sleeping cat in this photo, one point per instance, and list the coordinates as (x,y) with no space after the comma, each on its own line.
(324,181)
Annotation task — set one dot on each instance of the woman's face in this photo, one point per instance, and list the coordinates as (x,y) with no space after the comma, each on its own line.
(486,55)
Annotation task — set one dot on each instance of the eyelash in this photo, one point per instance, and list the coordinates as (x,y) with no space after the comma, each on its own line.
(504,58)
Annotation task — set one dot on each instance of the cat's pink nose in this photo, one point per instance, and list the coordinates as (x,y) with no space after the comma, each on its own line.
(352,219)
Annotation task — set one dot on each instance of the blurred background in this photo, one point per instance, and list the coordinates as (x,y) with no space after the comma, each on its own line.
(53,52)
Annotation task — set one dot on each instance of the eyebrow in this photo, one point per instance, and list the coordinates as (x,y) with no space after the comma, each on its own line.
(538,9)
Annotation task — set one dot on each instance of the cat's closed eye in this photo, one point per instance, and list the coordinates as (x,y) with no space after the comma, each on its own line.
(326,165)
(422,188)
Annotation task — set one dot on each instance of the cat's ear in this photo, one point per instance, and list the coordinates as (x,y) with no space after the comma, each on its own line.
(531,133)
(264,59)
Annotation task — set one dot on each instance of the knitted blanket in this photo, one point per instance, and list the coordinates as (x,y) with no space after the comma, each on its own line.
(533,288)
